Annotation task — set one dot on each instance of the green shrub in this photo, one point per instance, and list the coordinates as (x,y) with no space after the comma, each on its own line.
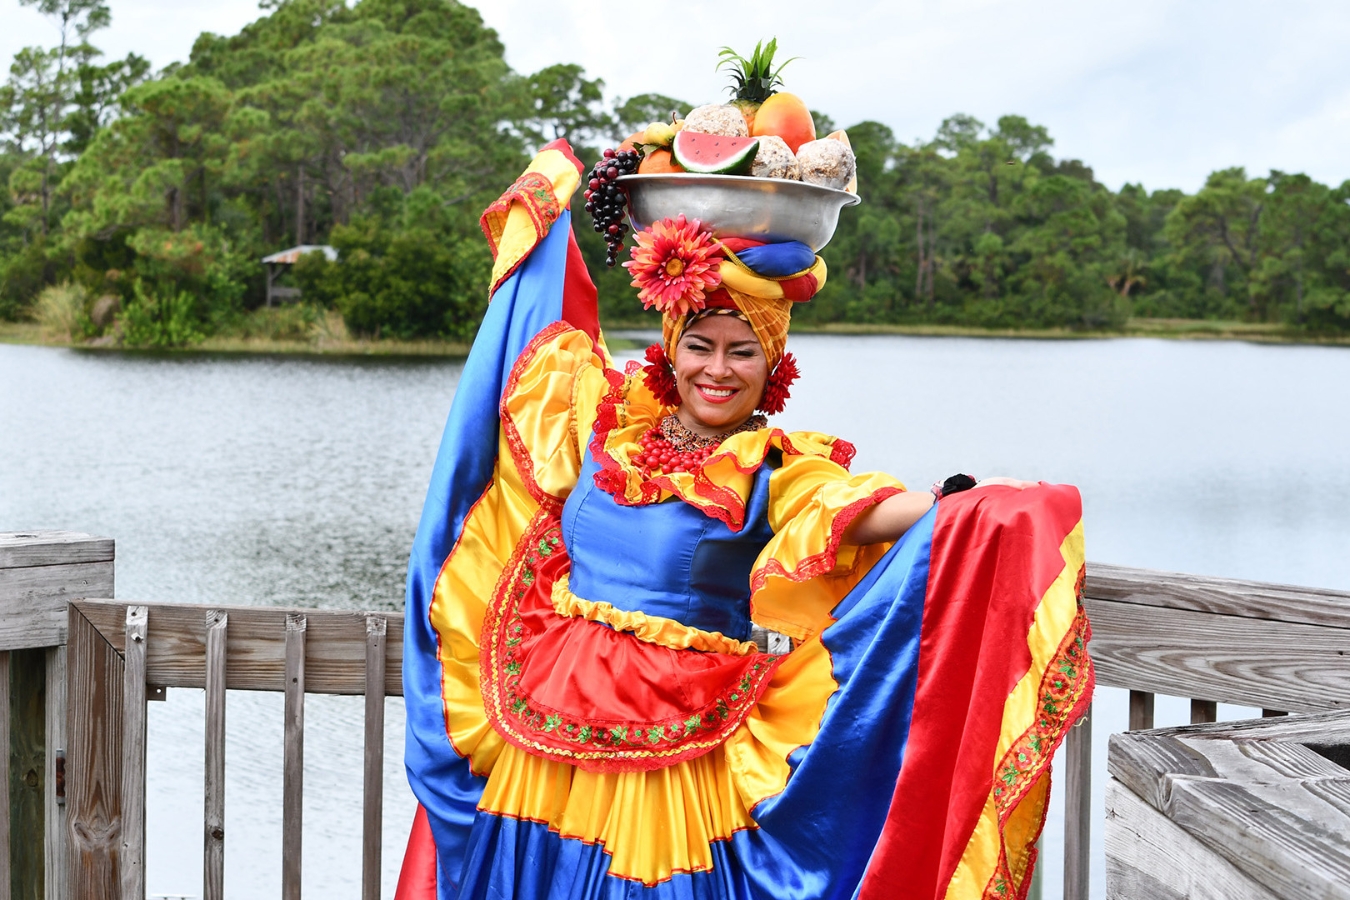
(160,322)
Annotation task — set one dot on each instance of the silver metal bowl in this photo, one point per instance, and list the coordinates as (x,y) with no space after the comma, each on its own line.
(768,209)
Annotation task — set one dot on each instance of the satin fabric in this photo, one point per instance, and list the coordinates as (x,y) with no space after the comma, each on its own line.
(900,749)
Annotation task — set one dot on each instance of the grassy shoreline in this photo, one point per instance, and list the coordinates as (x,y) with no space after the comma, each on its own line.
(31,333)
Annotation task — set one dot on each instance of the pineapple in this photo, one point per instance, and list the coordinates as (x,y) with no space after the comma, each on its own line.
(753,80)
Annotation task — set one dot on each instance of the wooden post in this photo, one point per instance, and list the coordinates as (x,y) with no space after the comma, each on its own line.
(94,791)
(1141,710)
(4,775)
(293,772)
(39,573)
(213,857)
(373,805)
(27,772)
(1204,711)
(133,755)
(1078,808)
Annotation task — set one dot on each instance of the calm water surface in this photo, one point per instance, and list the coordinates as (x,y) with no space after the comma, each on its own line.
(298,481)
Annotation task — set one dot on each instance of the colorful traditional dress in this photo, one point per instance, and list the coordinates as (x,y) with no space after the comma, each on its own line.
(587,715)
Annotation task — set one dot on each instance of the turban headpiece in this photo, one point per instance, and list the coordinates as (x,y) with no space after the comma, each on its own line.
(686,273)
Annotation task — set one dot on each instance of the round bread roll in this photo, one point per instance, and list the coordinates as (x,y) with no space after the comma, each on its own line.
(717,119)
(827,162)
(775,160)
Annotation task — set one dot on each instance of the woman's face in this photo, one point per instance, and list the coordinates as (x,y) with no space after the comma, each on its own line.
(720,370)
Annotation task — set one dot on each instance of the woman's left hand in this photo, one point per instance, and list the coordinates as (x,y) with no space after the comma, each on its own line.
(1006,482)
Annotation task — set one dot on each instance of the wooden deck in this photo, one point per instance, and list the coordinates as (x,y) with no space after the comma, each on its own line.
(93,664)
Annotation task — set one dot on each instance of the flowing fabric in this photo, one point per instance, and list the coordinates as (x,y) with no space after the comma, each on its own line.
(586,714)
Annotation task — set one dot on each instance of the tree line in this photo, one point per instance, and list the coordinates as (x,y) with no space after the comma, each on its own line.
(383,128)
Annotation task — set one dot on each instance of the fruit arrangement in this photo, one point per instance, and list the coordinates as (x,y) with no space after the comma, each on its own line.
(763,132)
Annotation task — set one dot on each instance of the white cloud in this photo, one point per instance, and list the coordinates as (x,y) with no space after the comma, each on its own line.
(1142,90)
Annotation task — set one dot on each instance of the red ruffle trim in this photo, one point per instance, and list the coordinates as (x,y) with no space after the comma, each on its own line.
(574,726)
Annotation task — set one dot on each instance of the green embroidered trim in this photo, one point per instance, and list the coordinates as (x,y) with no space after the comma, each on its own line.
(1065,687)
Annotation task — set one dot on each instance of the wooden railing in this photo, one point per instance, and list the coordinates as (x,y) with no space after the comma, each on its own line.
(1212,640)
(116,650)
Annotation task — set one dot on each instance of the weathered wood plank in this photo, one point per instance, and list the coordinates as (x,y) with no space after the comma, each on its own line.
(293,771)
(4,776)
(1274,809)
(213,860)
(56,846)
(52,548)
(133,754)
(1252,662)
(27,772)
(93,759)
(256,654)
(1141,710)
(33,613)
(1225,596)
(1148,857)
(372,836)
(1078,808)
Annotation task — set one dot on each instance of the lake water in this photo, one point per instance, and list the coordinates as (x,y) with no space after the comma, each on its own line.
(298,481)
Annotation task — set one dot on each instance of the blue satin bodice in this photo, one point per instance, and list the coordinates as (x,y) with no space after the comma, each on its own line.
(665,559)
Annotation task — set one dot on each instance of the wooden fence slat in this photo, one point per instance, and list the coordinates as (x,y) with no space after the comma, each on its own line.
(1078,808)
(94,759)
(335,655)
(133,755)
(373,802)
(4,776)
(1252,662)
(1222,596)
(1141,710)
(293,775)
(56,850)
(213,815)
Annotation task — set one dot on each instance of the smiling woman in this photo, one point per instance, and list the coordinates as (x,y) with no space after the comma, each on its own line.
(589,715)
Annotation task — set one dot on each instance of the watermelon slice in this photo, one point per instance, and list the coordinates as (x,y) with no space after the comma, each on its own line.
(714,154)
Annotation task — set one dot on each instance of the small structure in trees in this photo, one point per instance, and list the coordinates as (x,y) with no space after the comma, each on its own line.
(289,258)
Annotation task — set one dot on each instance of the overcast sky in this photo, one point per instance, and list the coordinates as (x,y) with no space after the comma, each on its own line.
(1142,90)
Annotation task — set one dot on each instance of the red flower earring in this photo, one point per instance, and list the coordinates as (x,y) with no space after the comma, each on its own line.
(659,376)
(776,389)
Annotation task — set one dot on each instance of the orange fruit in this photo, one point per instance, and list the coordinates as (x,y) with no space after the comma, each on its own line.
(658,162)
(633,140)
(786,116)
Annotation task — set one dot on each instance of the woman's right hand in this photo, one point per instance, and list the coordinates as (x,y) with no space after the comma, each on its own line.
(1005,481)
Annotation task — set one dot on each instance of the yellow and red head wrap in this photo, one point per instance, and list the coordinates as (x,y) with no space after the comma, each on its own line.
(764,302)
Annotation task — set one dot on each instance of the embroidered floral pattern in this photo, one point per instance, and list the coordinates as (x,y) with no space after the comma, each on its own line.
(592,745)
(1065,690)
(534,191)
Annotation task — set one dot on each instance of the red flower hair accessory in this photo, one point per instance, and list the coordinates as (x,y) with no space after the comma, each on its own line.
(659,376)
(776,389)
(675,264)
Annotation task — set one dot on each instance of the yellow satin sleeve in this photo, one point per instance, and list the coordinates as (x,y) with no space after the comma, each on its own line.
(548,409)
(806,569)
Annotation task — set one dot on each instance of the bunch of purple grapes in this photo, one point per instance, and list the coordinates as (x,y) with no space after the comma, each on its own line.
(606,201)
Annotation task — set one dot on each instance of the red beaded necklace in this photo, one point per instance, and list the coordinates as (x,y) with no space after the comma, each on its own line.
(671,447)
